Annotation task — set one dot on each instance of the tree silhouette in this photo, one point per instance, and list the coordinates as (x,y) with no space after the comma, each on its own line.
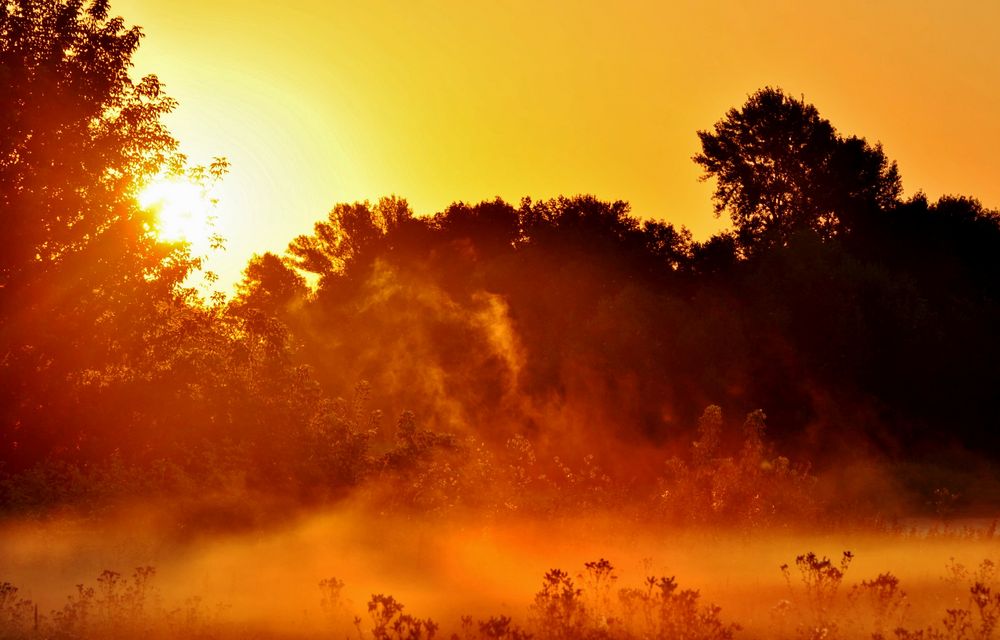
(489,228)
(570,322)
(82,274)
(77,137)
(269,286)
(780,169)
(348,237)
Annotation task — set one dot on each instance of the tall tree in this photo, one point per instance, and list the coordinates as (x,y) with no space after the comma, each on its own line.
(780,169)
(81,269)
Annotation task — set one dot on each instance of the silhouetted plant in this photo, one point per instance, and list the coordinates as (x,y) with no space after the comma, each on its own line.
(599,579)
(656,610)
(886,602)
(558,611)
(193,618)
(821,580)
(74,618)
(660,610)
(332,601)
(342,432)
(751,488)
(493,628)
(501,628)
(16,613)
(390,623)
(979,618)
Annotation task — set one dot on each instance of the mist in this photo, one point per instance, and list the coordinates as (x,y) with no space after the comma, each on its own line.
(268,583)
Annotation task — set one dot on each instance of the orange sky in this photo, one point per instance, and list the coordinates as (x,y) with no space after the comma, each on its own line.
(315,102)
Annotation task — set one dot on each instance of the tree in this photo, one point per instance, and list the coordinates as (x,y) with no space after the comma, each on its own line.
(348,238)
(781,169)
(77,138)
(81,272)
(491,227)
(269,286)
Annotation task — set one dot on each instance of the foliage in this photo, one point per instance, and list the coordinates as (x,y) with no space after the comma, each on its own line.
(390,623)
(977,619)
(78,137)
(885,601)
(16,613)
(495,628)
(821,580)
(658,609)
(752,488)
(87,291)
(780,168)
(558,608)
(350,235)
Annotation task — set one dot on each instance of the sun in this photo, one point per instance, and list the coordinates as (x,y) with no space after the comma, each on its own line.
(183,209)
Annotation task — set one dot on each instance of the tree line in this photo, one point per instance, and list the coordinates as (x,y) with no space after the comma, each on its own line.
(860,321)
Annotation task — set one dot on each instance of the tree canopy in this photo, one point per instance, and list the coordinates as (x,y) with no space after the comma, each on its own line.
(780,169)
(500,332)
(77,137)
(84,281)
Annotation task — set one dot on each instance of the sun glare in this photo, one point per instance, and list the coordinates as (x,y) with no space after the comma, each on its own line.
(184,211)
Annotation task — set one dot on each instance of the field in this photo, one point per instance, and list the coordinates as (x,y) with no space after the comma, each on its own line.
(341,575)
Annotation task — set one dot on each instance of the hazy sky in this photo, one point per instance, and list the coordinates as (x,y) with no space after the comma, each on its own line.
(316,102)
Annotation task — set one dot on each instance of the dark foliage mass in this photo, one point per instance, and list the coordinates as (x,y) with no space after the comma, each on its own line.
(780,169)
(527,346)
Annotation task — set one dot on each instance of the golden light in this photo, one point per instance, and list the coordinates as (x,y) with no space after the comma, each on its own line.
(184,211)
